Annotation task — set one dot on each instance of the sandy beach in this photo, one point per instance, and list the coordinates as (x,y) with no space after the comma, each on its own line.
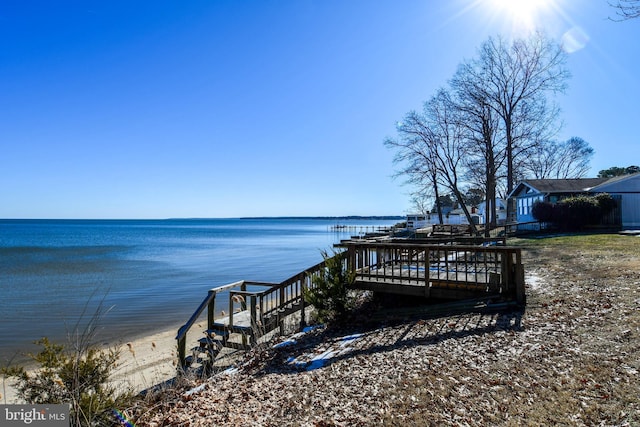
(145,361)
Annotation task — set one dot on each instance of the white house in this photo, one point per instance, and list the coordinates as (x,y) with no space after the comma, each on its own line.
(625,189)
(501,211)
(457,216)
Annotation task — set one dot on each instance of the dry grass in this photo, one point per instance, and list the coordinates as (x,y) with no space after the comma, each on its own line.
(571,358)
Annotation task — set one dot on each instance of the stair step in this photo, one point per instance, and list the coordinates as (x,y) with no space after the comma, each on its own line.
(222,331)
(207,342)
(188,361)
(225,330)
(209,351)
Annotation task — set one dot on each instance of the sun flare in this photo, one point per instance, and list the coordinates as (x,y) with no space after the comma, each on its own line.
(521,12)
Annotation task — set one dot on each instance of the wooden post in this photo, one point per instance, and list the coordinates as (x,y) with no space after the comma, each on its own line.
(282,299)
(182,351)
(261,306)
(243,302)
(253,312)
(303,303)
(211,309)
(521,297)
(282,308)
(254,320)
(505,270)
(427,273)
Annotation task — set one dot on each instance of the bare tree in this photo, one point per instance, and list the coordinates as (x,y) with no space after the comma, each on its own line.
(432,149)
(517,79)
(487,151)
(451,150)
(421,200)
(627,9)
(497,112)
(415,151)
(551,159)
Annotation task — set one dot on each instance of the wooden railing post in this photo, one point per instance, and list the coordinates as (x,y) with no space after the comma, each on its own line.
(182,351)
(254,320)
(243,302)
(351,258)
(211,309)
(303,303)
(282,295)
(505,270)
(427,273)
(518,273)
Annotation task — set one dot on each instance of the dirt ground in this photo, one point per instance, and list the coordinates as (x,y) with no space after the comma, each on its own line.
(571,357)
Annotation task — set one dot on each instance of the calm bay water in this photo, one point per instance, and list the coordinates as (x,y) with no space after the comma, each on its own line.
(148,274)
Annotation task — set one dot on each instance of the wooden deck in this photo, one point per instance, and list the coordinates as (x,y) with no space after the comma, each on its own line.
(453,272)
(437,271)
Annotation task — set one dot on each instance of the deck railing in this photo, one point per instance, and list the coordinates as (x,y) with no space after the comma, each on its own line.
(267,304)
(439,271)
(420,269)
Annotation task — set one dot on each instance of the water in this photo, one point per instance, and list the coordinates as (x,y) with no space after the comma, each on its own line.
(146,275)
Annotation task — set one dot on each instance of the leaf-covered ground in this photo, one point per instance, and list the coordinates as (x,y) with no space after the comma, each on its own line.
(572,357)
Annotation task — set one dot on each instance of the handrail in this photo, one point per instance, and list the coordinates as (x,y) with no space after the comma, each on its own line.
(278,296)
(418,269)
(410,245)
(210,295)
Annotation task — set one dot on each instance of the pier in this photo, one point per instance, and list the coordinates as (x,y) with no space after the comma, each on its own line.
(361,229)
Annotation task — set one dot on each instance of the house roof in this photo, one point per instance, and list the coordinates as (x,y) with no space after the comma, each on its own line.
(564,185)
(554,186)
(616,180)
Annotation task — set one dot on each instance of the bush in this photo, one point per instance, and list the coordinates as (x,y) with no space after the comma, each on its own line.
(76,374)
(78,377)
(606,203)
(542,211)
(580,211)
(330,294)
(574,213)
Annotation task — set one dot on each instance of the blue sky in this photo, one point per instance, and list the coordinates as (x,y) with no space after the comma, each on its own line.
(212,108)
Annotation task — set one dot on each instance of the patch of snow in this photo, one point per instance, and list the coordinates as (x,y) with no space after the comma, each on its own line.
(230,371)
(533,280)
(351,337)
(309,362)
(292,340)
(196,390)
(312,328)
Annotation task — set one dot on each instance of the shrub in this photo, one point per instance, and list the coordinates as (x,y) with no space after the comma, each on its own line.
(606,203)
(78,377)
(76,374)
(330,294)
(574,213)
(542,211)
(580,211)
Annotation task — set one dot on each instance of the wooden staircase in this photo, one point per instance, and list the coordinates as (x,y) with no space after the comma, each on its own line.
(255,310)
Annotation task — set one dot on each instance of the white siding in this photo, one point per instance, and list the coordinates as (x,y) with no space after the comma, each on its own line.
(628,188)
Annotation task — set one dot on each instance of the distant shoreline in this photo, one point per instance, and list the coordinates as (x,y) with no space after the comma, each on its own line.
(320,218)
(348,217)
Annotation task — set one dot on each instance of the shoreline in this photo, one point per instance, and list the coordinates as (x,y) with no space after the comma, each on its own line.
(146,360)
